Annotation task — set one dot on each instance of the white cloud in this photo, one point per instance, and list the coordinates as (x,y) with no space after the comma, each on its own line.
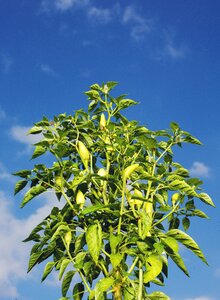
(6,63)
(19,133)
(140,25)
(102,15)
(45,68)
(2,114)
(4,174)
(199,169)
(14,254)
(62,5)
(200,298)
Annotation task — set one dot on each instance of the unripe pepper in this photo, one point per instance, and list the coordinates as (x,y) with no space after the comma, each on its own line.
(59,181)
(137,193)
(84,153)
(102,172)
(68,238)
(174,198)
(80,199)
(129,170)
(102,122)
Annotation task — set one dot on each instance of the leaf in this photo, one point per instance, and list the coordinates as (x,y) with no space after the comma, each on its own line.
(79,260)
(47,270)
(183,187)
(39,150)
(124,103)
(179,262)
(94,208)
(23,173)
(158,296)
(206,199)
(63,267)
(34,258)
(66,282)
(78,291)
(199,213)
(154,266)
(104,284)
(171,243)
(114,241)
(186,223)
(35,130)
(187,241)
(174,126)
(33,192)
(61,228)
(94,241)
(116,259)
(20,185)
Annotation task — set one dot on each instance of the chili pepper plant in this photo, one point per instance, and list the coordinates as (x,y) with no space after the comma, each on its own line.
(127,202)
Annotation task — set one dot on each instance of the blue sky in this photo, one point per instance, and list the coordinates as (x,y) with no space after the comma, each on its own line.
(164,54)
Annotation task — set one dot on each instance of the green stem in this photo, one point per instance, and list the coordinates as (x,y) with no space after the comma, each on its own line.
(166,216)
(122,205)
(80,273)
(140,289)
(133,265)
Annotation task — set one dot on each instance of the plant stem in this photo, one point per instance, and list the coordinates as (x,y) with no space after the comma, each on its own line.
(166,216)
(140,289)
(80,273)
(122,205)
(133,265)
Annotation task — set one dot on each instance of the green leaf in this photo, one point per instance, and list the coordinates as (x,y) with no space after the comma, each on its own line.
(154,266)
(60,229)
(66,282)
(94,241)
(34,258)
(187,241)
(158,296)
(116,259)
(79,260)
(78,291)
(104,284)
(199,213)
(33,192)
(35,130)
(47,270)
(171,243)
(63,267)
(94,208)
(23,173)
(124,103)
(206,199)
(114,241)
(183,187)
(20,185)
(179,262)
(186,223)
(39,150)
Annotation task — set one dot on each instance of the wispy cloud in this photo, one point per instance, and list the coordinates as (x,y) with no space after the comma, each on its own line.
(45,68)
(2,114)
(171,48)
(140,26)
(19,133)
(201,298)
(13,253)
(200,169)
(103,15)
(62,5)
(6,63)
(4,174)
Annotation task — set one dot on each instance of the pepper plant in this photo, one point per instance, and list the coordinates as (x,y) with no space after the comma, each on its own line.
(127,202)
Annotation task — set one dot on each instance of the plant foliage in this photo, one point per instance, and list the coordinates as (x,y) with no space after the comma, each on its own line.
(127,204)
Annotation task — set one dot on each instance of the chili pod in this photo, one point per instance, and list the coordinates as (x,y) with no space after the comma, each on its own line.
(84,153)
(68,238)
(129,170)
(174,198)
(102,122)
(80,199)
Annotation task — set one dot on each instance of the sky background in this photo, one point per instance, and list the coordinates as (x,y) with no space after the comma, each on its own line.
(164,54)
